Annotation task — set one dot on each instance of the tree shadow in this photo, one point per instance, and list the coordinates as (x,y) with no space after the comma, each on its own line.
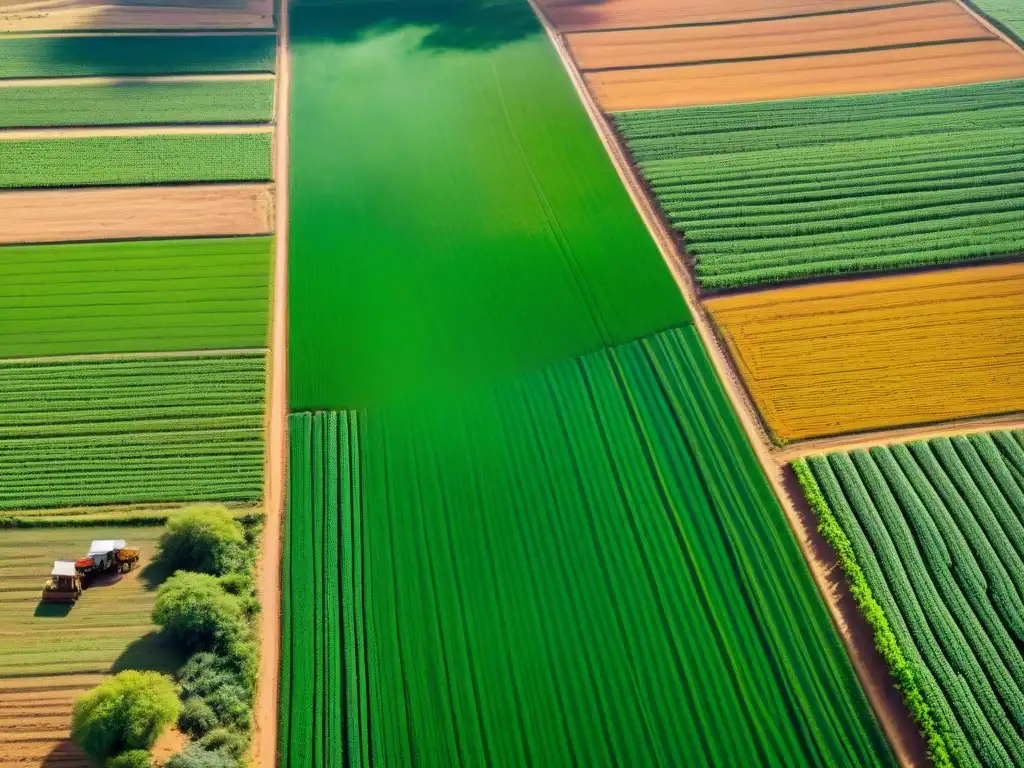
(153,652)
(63,754)
(156,572)
(448,24)
(53,610)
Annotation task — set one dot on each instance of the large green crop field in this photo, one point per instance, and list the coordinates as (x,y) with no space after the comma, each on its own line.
(131,431)
(1006,14)
(580,566)
(126,54)
(150,103)
(144,296)
(453,213)
(149,159)
(935,530)
(774,191)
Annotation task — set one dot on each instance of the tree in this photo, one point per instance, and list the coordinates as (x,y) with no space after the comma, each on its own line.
(194,756)
(127,712)
(197,613)
(197,719)
(204,538)
(136,758)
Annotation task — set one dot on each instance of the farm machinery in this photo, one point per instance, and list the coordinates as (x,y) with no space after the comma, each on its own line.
(106,556)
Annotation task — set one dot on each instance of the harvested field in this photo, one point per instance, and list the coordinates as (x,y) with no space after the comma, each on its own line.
(816,34)
(146,102)
(136,296)
(50,655)
(113,55)
(574,15)
(934,531)
(98,160)
(832,74)
(836,358)
(131,431)
(126,213)
(449,566)
(82,15)
(776,191)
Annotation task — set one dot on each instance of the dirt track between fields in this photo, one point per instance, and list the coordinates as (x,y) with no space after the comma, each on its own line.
(856,634)
(14,134)
(75,15)
(264,745)
(44,82)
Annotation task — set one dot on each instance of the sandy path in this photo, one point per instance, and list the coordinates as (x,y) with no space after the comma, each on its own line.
(124,213)
(853,629)
(67,15)
(144,130)
(264,743)
(43,82)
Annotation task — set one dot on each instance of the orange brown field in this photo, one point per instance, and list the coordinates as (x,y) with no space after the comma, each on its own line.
(66,15)
(834,358)
(122,213)
(872,29)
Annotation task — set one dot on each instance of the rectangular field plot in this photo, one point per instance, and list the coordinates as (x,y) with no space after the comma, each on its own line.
(83,161)
(75,16)
(145,296)
(131,431)
(844,357)
(137,103)
(125,55)
(937,532)
(580,566)
(770,192)
(453,214)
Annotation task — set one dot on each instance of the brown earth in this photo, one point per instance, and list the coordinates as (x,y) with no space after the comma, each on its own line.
(119,213)
(871,670)
(574,15)
(831,74)
(869,29)
(834,358)
(70,15)
(264,743)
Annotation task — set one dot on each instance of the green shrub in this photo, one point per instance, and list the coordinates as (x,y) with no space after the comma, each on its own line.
(237,583)
(204,538)
(196,718)
(225,741)
(232,705)
(194,756)
(197,613)
(135,758)
(127,712)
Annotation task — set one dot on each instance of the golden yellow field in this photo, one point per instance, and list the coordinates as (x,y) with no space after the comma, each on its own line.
(834,358)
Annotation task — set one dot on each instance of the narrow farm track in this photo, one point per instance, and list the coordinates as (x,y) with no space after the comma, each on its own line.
(853,629)
(225,77)
(990,26)
(239,352)
(264,743)
(145,130)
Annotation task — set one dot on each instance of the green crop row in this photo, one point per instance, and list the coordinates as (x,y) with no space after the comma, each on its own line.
(146,103)
(140,296)
(147,159)
(580,566)
(775,191)
(938,530)
(126,54)
(131,431)
(1008,15)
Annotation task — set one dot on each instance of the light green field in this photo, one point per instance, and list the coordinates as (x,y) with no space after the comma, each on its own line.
(151,159)
(246,101)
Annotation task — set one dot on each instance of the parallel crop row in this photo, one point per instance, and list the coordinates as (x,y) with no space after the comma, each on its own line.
(937,529)
(128,431)
(776,191)
(569,568)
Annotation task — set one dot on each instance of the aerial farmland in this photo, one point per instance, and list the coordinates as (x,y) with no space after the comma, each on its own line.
(509,382)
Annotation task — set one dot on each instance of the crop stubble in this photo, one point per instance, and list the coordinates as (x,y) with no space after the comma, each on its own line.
(835,358)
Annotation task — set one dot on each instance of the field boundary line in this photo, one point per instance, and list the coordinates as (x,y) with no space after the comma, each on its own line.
(993,28)
(111,356)
(151,32)
(264,744)
(223,77)
(99,131)
(849,442)
(872,672)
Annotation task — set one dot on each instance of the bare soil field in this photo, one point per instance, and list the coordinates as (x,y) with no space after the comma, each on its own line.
(576,15)
(840,32)
(836,358)
(833,74)
(122,213)
(68,15)
(35,720)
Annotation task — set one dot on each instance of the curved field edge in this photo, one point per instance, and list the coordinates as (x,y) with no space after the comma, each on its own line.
(885,640)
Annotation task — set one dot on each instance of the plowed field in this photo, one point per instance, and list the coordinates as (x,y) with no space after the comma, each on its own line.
(50,655)
(869,354)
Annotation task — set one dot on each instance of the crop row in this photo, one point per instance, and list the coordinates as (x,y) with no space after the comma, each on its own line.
(486,541)
(777,191)
(147,103)
(138,296)
(936,528)
(131,431)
